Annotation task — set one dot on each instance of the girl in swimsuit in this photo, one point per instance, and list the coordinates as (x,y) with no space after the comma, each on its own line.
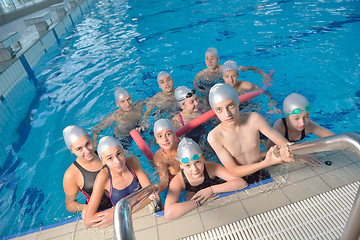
(81,174)
(297,124)
(165,158)
(189,104)
(120,177)
(199,177)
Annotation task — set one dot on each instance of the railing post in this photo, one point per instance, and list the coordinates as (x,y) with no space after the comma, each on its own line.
(352,228)
(123,227)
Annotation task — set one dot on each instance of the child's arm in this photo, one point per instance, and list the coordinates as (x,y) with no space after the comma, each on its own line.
(71,190)
(104,218)
(161,170)
(175,121)
(173,209)
(318,130)
(274,136)
(278,126)
(144,180)
(216,170)
(135,166)
(256,70)
(104,123)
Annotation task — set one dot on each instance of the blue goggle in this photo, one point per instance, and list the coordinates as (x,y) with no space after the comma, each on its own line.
(194,157)
(297,111)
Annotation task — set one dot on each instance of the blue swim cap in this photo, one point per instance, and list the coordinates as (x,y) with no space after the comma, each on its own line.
(72,133)
(230,65)
(220,92)
(105,143)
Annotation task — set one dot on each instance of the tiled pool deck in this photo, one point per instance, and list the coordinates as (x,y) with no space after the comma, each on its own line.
(292,183)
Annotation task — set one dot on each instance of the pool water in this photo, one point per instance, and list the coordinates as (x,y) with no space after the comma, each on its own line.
(312,46)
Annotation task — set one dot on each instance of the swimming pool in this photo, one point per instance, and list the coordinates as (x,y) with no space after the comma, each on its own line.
(311,46)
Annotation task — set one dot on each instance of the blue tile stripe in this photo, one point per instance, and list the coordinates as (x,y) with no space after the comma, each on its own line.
(56,36)
(71,20)
(22,234)
(28,69)
(221,195)
(81,10)
(158,214)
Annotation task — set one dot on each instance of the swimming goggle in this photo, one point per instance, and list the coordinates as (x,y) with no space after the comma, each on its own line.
(188,95)
(194,157)
(297,111)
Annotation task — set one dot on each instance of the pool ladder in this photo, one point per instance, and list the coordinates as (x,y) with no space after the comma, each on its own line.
(123,228)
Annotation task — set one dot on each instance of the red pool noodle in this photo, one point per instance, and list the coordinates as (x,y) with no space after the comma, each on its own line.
(210,114)
(142,145)
(194,123)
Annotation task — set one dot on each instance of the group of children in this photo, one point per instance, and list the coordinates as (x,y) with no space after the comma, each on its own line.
(109,175)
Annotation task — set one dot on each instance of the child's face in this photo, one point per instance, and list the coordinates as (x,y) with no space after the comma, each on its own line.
(83,148)
(125,103)
(230,77)
(114,158)
(227,111)
(191,104)
(166,84)
(211,61)
(194,168)
(299,121)
(165,138)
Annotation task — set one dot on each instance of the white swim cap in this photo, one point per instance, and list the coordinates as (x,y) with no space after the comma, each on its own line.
(188,150)
(212,51)
(295,101)
(105,143)
(230,65)
(120,93)
(162,74)
(72,133)
(181,93)
(162,124)
(220,92)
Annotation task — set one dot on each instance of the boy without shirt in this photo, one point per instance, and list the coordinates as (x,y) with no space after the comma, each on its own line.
(236,139)
(164,100)
(126,117)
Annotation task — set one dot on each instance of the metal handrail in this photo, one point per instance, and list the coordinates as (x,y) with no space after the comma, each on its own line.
(123,227)
(336,142)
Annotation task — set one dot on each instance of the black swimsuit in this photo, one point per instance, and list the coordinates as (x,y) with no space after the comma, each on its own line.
(89,179)
(287,134)
(206,183)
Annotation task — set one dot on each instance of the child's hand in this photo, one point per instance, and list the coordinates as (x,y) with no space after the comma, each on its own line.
(285,153)
(203,195)
(272,157)
(103,220)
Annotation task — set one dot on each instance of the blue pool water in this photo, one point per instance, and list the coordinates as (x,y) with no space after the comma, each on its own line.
(312,46)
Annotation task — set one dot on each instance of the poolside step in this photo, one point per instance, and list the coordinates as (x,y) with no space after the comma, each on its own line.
(320,217)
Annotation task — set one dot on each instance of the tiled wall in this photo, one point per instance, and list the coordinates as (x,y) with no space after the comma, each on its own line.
(17,88)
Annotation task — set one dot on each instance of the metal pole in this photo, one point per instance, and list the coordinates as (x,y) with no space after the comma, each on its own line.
(123,228)
(352,228)
(335,142)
